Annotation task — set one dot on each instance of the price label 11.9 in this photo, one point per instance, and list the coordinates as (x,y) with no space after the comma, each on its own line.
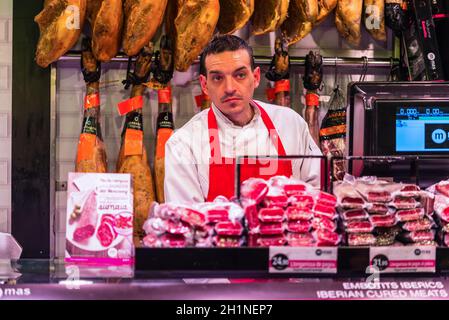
(403,259)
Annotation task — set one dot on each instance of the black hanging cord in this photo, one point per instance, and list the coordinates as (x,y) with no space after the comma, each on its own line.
(89,76)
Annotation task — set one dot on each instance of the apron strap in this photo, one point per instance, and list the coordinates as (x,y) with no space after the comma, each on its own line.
(272,132)
(214,140)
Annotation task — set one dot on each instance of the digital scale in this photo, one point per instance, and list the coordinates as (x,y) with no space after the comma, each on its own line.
(399,119)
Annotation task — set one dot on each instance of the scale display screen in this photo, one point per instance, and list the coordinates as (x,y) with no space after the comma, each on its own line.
(422,129)
(408,127)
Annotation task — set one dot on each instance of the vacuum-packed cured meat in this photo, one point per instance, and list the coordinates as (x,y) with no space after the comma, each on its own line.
(410,215)
(361,239)
(359,226)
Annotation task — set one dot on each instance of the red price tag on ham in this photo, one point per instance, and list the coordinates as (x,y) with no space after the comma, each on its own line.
(164,95)
(92,101)
(129,105)
(282,86)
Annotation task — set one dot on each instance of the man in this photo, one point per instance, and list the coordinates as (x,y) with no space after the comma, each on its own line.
(200,156)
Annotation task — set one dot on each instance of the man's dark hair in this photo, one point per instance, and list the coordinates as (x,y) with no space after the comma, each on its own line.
(222,43)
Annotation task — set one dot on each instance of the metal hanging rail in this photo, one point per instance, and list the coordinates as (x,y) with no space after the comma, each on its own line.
(348,62)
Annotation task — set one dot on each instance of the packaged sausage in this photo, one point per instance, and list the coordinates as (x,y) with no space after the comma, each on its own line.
(385,239)
(193,217)
(418,236)
(174,241)
(300,239)
(410,190)
(324,211)
(228,241)
(402,203)
(410,214)
(379,209)
(324,223)
(271,228)
(354,214)
(325,199)
(269,241)
(327,237)
(299,226)
(217,215)
(229,228)
(383,221)
(254,189)
(361,239)
(299,213)
(302,200)
(178,228)
(271,215)
(418,225)
(363,226)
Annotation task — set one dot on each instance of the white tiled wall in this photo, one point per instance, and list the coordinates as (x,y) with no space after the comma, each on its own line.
(5,113)
(70,90)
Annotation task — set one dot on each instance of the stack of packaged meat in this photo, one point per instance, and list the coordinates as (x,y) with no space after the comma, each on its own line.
(375,212)
(284,211)
(209,224)
(441,206)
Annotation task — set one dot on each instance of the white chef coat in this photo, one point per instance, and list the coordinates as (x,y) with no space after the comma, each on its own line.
(187,152)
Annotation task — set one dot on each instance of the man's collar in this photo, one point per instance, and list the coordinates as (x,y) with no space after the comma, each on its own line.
(225,119)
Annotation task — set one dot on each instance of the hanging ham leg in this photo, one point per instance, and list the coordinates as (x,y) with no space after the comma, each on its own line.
(191,23)
(348,18)
(133,157)
(302,15)
(106,20)
(312,81)
(142,19)
(234,14)
(91,152)
(325,7)
(268,15)
(60,24)
(279,72)
(165,125)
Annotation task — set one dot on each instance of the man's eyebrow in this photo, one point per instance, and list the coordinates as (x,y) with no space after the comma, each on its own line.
(240,69)
(236,70)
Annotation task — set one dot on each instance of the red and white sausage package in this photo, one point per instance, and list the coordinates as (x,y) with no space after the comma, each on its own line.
(378,212)
(208,224)
(286,211)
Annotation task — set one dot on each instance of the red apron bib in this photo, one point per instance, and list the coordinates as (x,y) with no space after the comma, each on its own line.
(222,170)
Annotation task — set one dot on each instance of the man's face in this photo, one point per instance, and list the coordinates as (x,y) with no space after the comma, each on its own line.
(230,83)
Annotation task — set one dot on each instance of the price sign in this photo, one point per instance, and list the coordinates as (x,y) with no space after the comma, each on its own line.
(302,260)
(402,259)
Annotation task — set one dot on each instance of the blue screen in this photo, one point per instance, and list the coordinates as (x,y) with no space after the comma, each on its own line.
(422,129)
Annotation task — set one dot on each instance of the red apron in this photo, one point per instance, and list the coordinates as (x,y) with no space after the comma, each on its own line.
(222,170)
